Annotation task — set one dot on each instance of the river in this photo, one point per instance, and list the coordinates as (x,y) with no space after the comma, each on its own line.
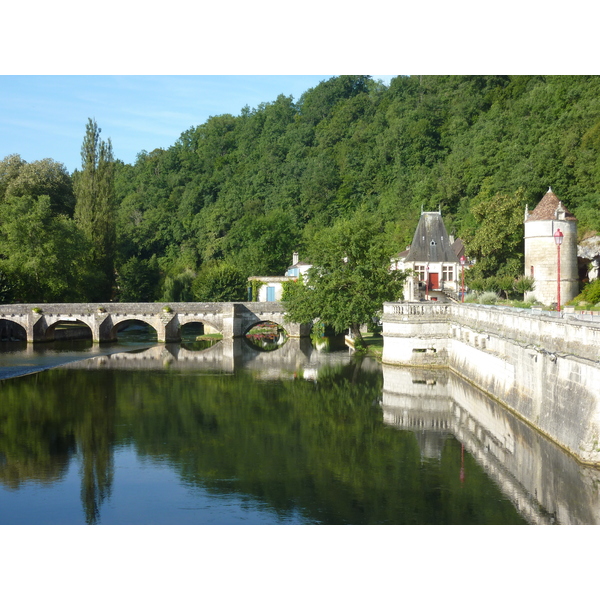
(224,433)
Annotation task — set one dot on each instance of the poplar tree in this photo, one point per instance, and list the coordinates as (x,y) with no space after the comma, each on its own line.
(94,209)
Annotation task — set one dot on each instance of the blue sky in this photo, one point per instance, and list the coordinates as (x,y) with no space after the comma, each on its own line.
(44,116)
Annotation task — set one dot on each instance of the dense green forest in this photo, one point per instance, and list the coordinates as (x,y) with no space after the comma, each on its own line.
(236,195)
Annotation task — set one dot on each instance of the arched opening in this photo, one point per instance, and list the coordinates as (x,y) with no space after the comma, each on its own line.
(68,331)
(197,335)
(266,336)
(12,332)
(134,331)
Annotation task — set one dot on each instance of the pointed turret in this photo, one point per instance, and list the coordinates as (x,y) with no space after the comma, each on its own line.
(550,208)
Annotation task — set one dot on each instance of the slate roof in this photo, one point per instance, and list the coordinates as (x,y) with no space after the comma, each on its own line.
(459,247)
(431,242)
(546,209)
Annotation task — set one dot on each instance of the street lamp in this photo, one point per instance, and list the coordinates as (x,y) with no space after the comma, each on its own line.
(558,240)
(463,260)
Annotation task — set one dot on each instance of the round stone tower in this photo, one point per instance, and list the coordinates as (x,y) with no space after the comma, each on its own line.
(541,252)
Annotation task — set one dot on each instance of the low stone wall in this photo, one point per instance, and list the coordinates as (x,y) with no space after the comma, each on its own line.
(542,366)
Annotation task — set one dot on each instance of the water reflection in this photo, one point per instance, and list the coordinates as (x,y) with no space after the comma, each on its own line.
(233,434)
(544,483)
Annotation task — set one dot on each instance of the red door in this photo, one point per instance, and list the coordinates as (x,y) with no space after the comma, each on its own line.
(434,281)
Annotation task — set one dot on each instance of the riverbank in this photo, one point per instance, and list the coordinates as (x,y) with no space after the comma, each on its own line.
(374,345)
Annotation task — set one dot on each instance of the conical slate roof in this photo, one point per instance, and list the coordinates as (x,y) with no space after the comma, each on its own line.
(431,242)
(547,209)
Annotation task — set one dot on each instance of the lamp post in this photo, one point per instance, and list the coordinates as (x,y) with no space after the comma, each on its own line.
(463,260)
(558,240)
(427,282)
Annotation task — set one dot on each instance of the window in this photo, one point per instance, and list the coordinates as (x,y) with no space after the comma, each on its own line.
(270,294)
(448,273)
(293,272)
(420,271)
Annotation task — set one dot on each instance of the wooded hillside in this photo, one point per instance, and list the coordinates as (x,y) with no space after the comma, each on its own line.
(248,190)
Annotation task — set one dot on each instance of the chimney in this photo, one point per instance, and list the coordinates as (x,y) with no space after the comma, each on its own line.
(294,258)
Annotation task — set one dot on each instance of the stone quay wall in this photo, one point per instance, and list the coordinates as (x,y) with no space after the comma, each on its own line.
(543,366)
(37,323)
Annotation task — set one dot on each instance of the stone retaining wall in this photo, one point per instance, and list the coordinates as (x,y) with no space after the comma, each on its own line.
(543,366)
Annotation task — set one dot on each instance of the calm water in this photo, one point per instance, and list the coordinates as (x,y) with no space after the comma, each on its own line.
(182,434)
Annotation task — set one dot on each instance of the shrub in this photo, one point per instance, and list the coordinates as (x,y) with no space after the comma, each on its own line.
(524,284)
(488,298)
(590,293)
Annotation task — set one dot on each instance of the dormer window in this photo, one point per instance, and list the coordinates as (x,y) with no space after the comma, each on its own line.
(432,243)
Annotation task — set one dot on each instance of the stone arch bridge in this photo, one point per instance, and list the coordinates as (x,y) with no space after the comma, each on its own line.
(37,323)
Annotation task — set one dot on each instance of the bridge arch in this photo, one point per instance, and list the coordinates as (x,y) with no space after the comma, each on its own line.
(11,330)
(263,320)
(44,329)
(268,336)
(118,323)
(51,333)
(211,325)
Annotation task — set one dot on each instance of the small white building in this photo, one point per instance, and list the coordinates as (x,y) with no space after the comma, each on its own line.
(271,289)
(434,256)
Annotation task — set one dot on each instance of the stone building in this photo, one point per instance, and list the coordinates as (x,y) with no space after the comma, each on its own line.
(541,253)
(434,258)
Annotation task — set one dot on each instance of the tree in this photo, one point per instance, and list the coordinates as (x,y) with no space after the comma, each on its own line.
(137,280)
(10,166)
(350,279)
(497,242)
(524,284)
(220,282)
(6,289)
(95,210)
(41,252)
(44,177)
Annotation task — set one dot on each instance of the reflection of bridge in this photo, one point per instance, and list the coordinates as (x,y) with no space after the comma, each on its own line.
(297,357)
(543,482)
(37,323)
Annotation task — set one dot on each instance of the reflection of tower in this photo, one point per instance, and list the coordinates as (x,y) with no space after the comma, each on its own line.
(419,403)
(540,250)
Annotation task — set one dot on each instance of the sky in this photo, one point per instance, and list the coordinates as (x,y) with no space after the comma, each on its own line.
(44,116)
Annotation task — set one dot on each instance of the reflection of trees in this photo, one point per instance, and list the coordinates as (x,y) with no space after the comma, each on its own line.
(318,449)
(41,427)
(35,444)
(299,446)
(95,436)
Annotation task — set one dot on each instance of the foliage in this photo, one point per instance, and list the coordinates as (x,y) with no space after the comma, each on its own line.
(94,209)
(44,177)
(6,289)
(505,284)
(496,242)
(487,298)
(178,288)
(350,278)
(40,252)
(590,293)
(220,282)
(248,189)
(524,284)
(137,280)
